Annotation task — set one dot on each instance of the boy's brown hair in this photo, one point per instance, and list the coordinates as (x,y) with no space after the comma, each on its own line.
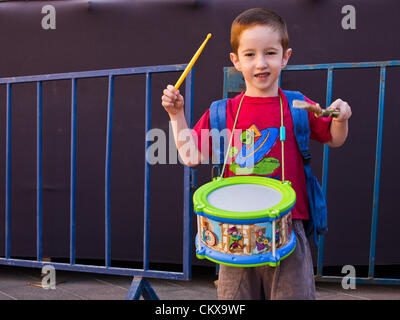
(258,16)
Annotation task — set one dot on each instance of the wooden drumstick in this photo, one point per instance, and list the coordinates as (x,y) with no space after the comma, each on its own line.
(191,63)
(315,109)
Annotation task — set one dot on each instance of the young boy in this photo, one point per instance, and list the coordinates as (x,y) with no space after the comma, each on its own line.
(259,41)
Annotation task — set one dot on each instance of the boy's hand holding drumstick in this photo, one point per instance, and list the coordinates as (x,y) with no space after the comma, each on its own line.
(343,109)
(339,109)
(172,100)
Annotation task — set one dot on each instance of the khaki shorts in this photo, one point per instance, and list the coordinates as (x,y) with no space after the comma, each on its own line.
(292,279)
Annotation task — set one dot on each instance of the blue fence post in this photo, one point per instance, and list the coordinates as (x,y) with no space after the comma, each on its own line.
(8,173)
(140,286)
(325,170)
(146,218)
(189,184)
(39,173)
(377,176)
(110,106)
(72,205)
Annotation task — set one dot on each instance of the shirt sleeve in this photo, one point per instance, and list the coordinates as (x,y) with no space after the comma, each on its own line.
(319,127)
(201,133)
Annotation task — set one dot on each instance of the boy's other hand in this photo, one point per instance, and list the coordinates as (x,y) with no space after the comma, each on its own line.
(344,109)
(172,100)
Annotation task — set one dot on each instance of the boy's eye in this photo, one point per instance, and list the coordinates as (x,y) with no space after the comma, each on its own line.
(249,54)
(271,52)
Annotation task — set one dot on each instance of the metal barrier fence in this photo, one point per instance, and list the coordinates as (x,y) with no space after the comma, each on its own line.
(140,286)
(233,82)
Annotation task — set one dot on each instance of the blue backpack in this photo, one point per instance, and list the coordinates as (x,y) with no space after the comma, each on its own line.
(318,220)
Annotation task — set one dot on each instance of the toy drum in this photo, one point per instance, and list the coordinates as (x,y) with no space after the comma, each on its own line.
(244,221)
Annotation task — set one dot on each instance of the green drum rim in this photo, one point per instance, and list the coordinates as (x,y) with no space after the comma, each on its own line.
(200,203)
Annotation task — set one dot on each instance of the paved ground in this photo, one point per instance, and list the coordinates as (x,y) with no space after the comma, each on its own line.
(19,283)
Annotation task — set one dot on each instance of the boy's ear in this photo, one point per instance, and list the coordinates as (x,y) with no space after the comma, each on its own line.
(235,61)
(286,56)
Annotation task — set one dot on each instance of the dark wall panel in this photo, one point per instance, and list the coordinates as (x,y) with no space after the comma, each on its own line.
(118,34)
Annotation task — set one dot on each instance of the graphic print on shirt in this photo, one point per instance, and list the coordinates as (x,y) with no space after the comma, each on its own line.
(255,146)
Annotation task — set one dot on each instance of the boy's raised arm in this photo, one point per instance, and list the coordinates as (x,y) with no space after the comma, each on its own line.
(173,103)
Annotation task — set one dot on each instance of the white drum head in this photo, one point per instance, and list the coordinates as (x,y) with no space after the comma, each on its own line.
(244,197)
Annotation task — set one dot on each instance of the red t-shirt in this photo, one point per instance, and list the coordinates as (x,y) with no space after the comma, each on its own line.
(256,144)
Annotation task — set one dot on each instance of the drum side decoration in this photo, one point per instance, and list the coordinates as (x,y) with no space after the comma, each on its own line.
(246,241)
(242,239)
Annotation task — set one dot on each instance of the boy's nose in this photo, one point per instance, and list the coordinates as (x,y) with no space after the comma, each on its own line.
(261,62)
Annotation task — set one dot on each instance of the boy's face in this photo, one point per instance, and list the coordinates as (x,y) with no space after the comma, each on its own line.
(260,58)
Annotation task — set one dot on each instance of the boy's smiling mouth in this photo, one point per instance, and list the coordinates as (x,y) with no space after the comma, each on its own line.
(262,75)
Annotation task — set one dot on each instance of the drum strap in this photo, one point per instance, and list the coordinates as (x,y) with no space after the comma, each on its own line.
(230,139)
(282,134)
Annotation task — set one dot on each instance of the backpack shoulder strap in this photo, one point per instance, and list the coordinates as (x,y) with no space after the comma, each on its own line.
(300,123)
(318,222)
(218,123)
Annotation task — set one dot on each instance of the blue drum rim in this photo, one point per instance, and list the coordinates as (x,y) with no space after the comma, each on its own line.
(202,251)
